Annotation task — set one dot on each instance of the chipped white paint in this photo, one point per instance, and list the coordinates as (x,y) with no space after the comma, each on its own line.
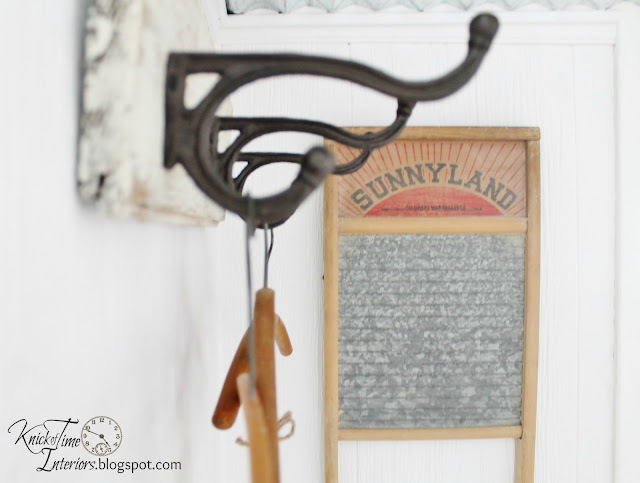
(122,122)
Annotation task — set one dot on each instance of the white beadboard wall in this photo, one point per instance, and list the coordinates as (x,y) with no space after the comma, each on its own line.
(140,321)
(565,86)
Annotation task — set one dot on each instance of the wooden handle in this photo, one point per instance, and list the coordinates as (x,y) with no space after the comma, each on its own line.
(282,338)
(262,457)
(265,318)
(229,402)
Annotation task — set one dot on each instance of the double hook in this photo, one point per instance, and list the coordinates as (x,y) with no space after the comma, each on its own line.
(192,135)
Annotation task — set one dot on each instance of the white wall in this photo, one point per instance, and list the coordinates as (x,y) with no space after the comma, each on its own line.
(97,316)
(139,322)
(555,72)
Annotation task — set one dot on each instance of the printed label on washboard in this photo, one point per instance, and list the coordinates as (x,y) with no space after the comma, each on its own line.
(430,330)
(435,178)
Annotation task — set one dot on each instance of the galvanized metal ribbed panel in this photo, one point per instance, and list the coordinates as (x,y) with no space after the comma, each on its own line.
(430,330)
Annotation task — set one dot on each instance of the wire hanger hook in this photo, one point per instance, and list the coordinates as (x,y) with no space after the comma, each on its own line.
(250,229)
(268,248)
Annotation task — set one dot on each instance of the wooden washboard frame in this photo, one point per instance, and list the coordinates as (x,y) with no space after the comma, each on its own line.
(528,224)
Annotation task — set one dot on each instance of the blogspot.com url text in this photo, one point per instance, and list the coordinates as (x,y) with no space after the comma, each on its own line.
(117,466)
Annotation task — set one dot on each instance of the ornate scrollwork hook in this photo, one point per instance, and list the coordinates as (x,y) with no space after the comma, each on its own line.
(191,135)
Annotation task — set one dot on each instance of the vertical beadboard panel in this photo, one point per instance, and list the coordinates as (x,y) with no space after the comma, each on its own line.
(557,436)
(509,91)
(534,85)
(627,307)
(596,239)
(519,85)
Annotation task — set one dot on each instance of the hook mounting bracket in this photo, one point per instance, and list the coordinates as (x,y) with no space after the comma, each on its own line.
(191,135)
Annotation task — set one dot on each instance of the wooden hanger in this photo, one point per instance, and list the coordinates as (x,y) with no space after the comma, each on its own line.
(262,457)
(229,402)
(260,406)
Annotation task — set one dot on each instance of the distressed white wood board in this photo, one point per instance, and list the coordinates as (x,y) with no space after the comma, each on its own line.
(520,84)
(120,159)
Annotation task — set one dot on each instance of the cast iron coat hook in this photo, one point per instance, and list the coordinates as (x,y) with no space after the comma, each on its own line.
(191,135)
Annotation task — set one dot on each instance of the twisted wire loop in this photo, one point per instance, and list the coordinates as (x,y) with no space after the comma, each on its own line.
(191,135)
(287,418)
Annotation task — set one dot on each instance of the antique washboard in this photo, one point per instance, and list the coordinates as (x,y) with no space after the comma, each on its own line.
(432,291)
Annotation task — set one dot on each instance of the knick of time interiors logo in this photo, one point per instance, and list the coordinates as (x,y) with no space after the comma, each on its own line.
(101,436)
